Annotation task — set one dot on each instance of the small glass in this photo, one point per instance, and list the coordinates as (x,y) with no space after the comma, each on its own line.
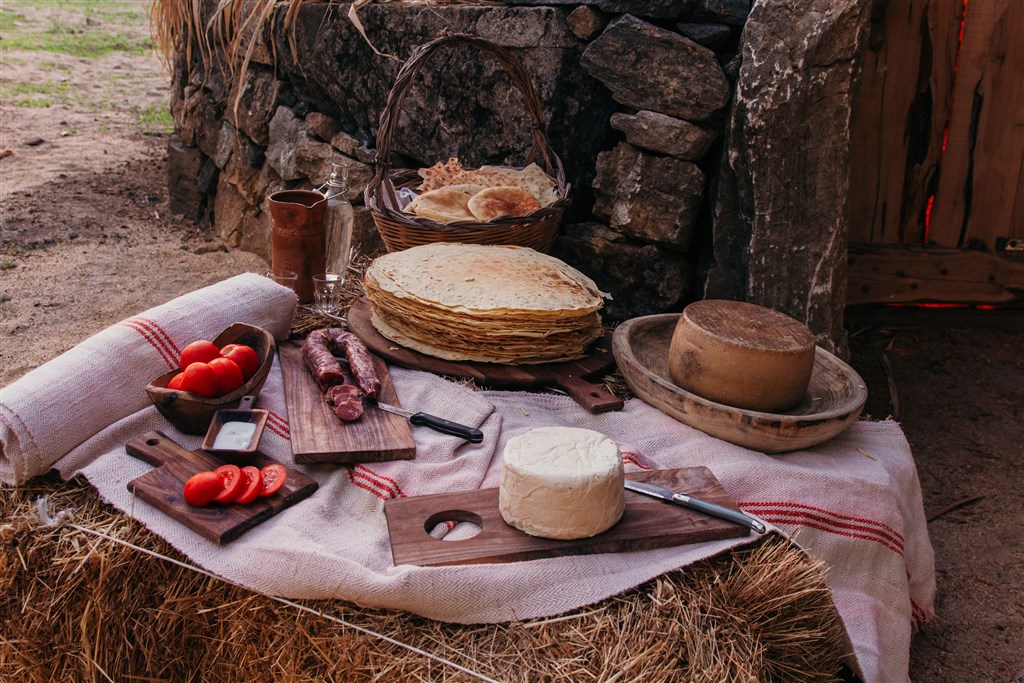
(328,290)
(288,278)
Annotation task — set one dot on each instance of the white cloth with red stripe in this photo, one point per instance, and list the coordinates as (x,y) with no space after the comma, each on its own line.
(854,502)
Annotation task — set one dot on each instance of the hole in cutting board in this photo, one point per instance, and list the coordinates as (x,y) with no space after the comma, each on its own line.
(453,525)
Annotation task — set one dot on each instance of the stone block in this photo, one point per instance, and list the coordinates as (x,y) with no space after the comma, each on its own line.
(322,126)
(712,36)
(643,279)
(679,77)
(253,102)
(229,209)
(366,240)
(200,121)
(286,133)
(651,198)
(665,134)
(183,166)
(586,23)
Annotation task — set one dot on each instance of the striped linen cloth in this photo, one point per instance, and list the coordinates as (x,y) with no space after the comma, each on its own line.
(854,501)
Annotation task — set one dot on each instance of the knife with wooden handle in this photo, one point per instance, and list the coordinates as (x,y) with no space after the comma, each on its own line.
(704,506)
(438,424)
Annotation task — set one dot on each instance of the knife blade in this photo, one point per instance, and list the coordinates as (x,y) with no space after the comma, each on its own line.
(438,424)
(712,509)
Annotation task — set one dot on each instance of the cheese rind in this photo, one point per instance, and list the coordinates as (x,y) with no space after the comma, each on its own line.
(562,483)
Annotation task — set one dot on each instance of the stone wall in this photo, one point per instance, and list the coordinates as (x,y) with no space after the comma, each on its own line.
(635,96)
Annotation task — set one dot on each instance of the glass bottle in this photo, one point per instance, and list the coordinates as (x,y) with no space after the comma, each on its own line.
(338,221)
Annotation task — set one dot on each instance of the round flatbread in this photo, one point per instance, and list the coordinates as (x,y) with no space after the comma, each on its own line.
(495,202)
(444,205)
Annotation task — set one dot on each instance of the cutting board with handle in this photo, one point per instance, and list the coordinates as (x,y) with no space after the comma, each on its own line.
(571,377)
(318,436)
(163,488)
(646,523)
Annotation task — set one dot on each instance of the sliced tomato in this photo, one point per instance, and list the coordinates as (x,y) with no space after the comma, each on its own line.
(203,488)
(253,485)
(273,477)
(232,481)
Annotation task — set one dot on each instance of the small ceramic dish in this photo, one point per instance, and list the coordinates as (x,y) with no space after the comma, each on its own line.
(236,431)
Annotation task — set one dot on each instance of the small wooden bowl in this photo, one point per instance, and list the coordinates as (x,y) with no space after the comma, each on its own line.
(192,413)
(834,399)
(244,413)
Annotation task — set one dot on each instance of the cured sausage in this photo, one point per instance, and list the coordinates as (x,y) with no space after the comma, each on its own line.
(359,360)
(316,354)
(344,399)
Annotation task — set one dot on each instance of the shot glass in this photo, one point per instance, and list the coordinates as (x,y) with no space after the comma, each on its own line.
(327,292)
(287,278)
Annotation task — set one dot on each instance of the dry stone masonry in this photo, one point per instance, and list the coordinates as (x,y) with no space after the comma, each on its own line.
(637,96)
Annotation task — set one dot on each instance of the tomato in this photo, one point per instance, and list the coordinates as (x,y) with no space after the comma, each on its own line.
(201,379)
(232,481)
(175,382)
(229,375)
(200,351)
(273,477)
(253,485)
(203,488)
(245,356)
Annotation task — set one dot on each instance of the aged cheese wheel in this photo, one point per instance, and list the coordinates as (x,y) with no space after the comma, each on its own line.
(742,355)
(561,482)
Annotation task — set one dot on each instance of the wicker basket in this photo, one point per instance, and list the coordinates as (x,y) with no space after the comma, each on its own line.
(401,230)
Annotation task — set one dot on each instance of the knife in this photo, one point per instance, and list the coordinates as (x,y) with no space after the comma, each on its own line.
(686,501)
(438,424)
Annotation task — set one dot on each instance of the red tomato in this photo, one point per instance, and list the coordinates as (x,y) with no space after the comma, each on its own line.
(273,477)
(203,488)
(200,351)
(175,382)
(233,483)
(253,485)
(201,379)
(229,375)
(245,356)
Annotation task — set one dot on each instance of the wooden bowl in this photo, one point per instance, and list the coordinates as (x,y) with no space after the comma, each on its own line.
(834,399)
(192,413)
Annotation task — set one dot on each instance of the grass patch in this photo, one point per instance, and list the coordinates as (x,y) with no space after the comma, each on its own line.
(156,120)
(79,43)
(80,28)
(39,102)
(44,88)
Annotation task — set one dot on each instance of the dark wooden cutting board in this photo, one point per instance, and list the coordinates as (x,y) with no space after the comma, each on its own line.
(570,377)
(318,436)
(647,523)
(163,488)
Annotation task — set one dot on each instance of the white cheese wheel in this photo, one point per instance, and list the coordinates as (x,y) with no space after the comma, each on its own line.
(561,482)
(741,354)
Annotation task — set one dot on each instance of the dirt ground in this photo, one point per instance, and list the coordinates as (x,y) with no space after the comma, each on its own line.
(86,240)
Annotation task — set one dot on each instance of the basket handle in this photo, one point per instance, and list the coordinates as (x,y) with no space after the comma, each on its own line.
(520,79)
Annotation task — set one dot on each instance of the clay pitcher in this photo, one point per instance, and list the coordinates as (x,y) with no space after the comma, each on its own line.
(298,236)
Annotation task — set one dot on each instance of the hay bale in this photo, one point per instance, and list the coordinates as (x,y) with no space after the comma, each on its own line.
(98,597)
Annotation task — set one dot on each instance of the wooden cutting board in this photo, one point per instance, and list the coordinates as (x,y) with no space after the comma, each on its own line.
(647,523)
(318,436)
(570,377)
(163,488)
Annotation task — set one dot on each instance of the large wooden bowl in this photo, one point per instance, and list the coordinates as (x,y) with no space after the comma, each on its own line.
(192,413)
(834,398)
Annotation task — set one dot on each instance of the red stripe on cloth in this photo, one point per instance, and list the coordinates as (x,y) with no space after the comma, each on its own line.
(387,480)
(379,489)
(633,459)
(801,519)
(825,520)
(896,535)
(155,326)
(367,487)
(172,362)
(278,425)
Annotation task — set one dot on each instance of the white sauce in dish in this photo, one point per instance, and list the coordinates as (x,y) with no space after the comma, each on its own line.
(234,436)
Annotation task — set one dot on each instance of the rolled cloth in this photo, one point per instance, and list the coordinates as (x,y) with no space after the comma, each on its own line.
(64,402)
(854,502)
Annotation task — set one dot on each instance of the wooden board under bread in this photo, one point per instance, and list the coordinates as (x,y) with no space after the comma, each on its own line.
(163,488)
(571,376)
(318,436)
(647,523)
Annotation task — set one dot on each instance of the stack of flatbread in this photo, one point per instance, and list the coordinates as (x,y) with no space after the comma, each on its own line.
(494,304)
(452,193)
